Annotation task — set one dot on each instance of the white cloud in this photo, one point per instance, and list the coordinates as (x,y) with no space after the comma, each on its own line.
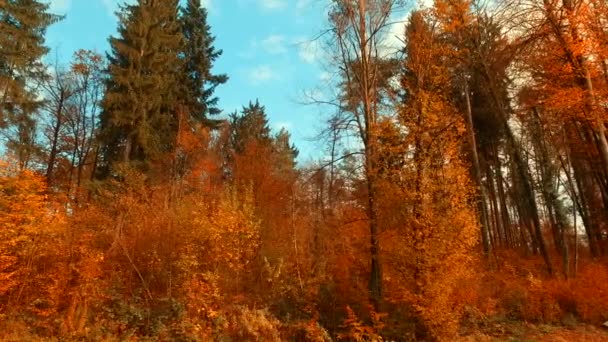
(210,6)
(426,3)
(274,44)
(262,74)
(60,6)
(273,4)
(395,35)
(309,51)
(325,76)
(316,95)
(110,5)
(302,4)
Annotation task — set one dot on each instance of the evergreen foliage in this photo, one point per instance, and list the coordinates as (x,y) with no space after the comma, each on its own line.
(199,56)
(23,24)
(140,107)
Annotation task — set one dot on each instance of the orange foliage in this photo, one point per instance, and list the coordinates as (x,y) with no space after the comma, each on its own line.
(31,244)
(233,242)
(518,289)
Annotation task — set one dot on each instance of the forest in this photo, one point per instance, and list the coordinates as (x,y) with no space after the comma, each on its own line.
(459,192)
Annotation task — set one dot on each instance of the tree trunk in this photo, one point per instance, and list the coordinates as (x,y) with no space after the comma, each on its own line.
(55,141)
(480,193)
(556,208)
(529,197)
(504,210)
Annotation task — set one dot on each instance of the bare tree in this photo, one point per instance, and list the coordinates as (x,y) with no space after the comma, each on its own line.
(59,88)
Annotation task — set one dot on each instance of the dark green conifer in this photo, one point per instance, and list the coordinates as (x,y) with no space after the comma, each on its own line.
(250,126)
(23,24)
(140,108)
(286,151)
(199,57)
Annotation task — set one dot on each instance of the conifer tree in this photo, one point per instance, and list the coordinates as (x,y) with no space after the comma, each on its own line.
(250,135)
(142,99)
(23,24)
(285,150)
(250,126)
(199,56)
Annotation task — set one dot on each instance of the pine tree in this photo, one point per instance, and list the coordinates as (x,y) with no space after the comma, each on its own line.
(23,24)
(251,136)
(286,151)
(141,102)
(249,127)
(199,55)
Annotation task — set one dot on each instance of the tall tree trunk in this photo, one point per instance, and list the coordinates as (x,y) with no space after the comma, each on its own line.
(549,172)
(504,210)
(529,197)
(480,193)
(588,222)
(521,166)
(55,141)
(369,113)
(497,217)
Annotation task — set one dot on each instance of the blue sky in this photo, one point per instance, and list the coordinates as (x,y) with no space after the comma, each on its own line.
(269,54)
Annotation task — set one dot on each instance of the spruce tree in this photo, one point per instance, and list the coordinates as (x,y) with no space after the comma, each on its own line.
(23,24)
(285,151)
(199,55)
(251,134)
(139,119)
(250,126)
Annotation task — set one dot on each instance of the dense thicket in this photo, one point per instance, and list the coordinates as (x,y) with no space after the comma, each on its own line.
(464,185)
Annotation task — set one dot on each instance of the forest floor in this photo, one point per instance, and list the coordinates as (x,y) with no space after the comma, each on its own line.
(517,331)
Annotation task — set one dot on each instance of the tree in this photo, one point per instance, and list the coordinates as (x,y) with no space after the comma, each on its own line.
(286,151)
(251,126)
(139,118)
(199,56)
(22,27)
(563,85)
(31,223)
(59,89)
(434,248)
(358,29)
(88,69)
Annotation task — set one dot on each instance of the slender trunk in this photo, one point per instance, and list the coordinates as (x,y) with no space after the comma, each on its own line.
(375,282)
(588,221)
(575,243)
(93,171)
(528,195)
(319,219)
(481,193)
(600,127)
(521,167)
(504,210)
(365,83)
(55,141)
(556,208)
(500,229)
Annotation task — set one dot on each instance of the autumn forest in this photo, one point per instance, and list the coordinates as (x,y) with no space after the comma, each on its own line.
(459,191)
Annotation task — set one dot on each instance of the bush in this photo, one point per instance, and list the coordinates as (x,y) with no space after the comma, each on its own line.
(518,290)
